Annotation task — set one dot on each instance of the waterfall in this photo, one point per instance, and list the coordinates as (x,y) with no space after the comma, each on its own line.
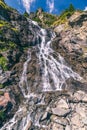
(53,69)
(54,73)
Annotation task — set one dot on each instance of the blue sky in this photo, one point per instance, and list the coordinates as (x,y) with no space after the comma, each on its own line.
(51,6)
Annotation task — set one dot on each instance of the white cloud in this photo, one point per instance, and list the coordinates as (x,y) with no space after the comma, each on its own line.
(50,4)
(85,8)
(27,4)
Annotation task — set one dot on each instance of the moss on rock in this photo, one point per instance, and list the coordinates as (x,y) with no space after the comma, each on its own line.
(3,62)
(2,115)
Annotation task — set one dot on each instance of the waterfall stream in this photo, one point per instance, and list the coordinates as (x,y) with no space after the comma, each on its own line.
(54,73)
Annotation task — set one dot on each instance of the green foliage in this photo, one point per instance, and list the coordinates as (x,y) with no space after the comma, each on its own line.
(5,6)
(1,86)
(3,62)
(2,115)
(8,25)
(11,45)
(4,46)
(36,19)
(47,19)
(26,14)
(0,31)
(71,8)
(15,29)
(65,15)
(4,23)
(1,92)
(68,12)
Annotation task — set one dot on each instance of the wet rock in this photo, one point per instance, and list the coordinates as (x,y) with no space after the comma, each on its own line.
(44,116)
(68,127)
(63,104)
(76,120)
(59,28)
(5,99)
(60,112)
(28,125)
(1,71)
(84,120)
(57,127)
(81,110)
(4,77)
(72,45)
(79,95)
(59,120)
(78,21)
(85,99)
(62,108)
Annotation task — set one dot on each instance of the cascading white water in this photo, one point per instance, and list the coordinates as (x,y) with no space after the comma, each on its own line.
(56,69)
(23,81)
(24,77)
(54,76)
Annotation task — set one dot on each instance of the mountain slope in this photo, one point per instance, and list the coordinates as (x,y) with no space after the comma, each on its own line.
(73,41)
(17,34)
(31,61)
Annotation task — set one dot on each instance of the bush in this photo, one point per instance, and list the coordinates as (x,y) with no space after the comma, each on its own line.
(65,15)
(71,8)
(2,115)
(26,14)
(3,63)
(36,19)
(1,86)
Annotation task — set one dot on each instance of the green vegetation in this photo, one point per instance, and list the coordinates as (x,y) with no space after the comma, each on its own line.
(5,6)
(45,19)
(15,29)
(49,19)
(3,62)
(11,45)
(4,23)
(4,46)
(1,86)
(1,93)
(8,25)
(36,19)
(2,3)
(26,14)
(65,15)
(2,115)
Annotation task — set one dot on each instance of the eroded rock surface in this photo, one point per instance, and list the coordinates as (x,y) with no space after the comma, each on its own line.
(71,42)
(54,110)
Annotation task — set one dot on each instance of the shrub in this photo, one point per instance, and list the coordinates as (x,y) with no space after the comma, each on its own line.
(1,86)
(3,62)
(26,14)
(2,115)
(65,15)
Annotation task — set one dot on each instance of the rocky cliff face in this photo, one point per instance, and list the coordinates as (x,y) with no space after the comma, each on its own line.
(17,34)
(65,109)
(71,42)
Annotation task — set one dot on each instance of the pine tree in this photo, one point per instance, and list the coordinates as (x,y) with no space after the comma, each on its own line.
(71,8)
